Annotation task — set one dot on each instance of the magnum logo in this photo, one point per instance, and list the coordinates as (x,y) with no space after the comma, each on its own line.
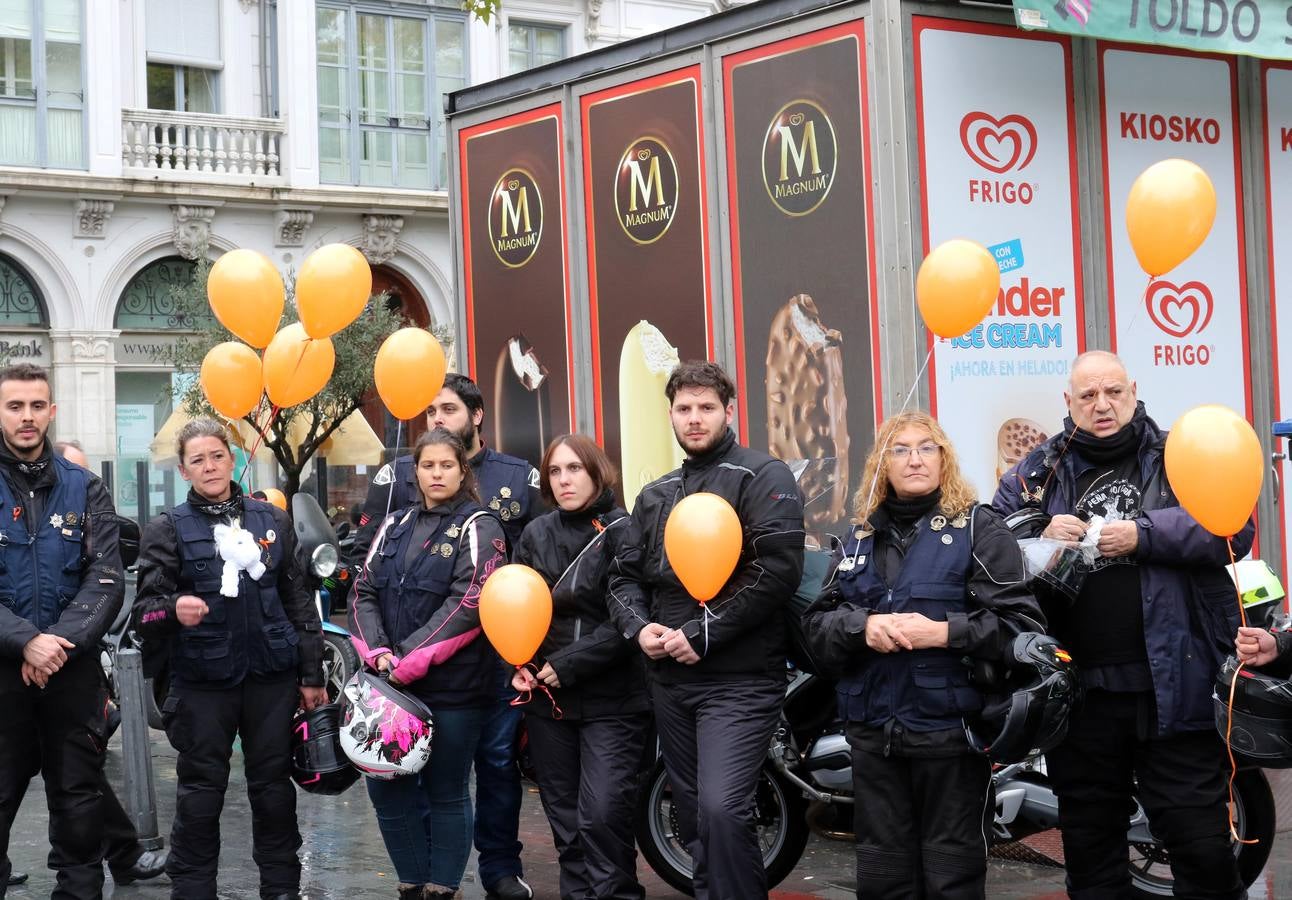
(646,190)
(799,157)
(515,218)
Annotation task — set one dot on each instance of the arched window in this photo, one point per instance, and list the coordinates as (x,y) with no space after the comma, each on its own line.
(148,302)
(21,304)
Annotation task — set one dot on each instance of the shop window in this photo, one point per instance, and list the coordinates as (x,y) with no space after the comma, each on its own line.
(149,300)
(20,302)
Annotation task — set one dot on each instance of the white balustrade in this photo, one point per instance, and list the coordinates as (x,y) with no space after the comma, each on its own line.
(200,146)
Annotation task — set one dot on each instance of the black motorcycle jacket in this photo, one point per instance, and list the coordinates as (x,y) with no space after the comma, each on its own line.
(233,639)
(744,631)
(601,673)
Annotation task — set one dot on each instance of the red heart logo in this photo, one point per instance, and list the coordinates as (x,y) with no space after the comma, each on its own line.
(1179,310)
(985,139)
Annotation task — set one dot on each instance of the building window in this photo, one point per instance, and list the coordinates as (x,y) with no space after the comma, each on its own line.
(42,96)
(184,59)
(381,84)
(20,300)
(530,45)
(182,88)
(149,302)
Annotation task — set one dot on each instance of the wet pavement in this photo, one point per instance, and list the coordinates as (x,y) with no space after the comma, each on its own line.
(344,858)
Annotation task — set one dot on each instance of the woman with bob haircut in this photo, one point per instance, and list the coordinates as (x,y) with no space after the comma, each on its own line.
(927,578)
(416,617)
(241,661)
(587,726)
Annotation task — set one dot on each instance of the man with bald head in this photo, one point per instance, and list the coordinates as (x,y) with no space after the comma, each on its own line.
(1151,623)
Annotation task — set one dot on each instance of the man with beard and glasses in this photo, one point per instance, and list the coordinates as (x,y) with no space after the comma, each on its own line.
(1149,628)
(509,488)
(717,677)
(61,589)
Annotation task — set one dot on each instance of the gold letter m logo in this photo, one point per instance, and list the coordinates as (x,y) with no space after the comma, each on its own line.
(790,148)
(513,213)
(652,179)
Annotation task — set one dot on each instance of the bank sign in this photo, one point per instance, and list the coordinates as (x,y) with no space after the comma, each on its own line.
(1250,27)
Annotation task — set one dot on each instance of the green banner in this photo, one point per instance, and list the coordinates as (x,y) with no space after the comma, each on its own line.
(1250,27)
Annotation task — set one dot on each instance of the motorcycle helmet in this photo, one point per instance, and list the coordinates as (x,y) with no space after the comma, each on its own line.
(1041,687)
(1261,727)
(1260,588)
(1055,569)
(319,766)
(384,732)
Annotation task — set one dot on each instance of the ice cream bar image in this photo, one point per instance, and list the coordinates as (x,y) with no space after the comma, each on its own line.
(807,409)
(645,431)
(1016,439)
(521,407)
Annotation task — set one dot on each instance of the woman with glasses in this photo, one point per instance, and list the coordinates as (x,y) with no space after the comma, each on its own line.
(926,580)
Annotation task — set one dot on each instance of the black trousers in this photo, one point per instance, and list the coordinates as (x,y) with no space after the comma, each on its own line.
(120,840)
(715,737)
(922,825)
(588,773)
(201,725)
(1182,785)
(59,732)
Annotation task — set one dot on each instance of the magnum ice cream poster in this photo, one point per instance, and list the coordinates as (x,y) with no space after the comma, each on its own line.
(648,284)
(519,342)
(798,156)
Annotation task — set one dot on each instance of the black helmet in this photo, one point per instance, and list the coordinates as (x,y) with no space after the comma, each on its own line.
(318,764)
(1041,688)
(1261,729)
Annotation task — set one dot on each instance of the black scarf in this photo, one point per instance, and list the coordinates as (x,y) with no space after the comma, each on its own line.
(1101,450)
(903,513)
(28,475)
(219,509)
(599,506)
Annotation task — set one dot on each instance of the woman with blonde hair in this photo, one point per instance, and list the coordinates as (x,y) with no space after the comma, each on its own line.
(927,579)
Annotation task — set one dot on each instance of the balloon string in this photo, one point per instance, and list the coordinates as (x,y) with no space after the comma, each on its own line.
(390,494)
(255,445)
(874,481)
(1229,721)
(527,695)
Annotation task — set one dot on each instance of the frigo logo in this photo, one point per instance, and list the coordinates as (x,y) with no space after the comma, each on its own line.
(799,157)
(515,218)
(646,190)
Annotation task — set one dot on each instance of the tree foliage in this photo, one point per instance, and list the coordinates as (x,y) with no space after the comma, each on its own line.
(356,347)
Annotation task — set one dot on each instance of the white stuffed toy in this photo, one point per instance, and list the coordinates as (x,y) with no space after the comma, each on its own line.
(240,552)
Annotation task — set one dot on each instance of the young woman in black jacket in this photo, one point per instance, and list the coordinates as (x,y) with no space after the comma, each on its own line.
(587,739)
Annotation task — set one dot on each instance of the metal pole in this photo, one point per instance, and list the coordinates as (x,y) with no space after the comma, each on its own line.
(140,794)
(142,489)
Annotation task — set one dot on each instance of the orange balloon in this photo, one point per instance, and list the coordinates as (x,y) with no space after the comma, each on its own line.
(702,540)
(409,371)
(1169,213)
(1215,466)
(515,612)
(276,497)
(246,295)
(232,379)
(332,288)
(956,286)
(297,366)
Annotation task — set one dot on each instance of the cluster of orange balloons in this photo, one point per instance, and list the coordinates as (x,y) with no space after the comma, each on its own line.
(247,297)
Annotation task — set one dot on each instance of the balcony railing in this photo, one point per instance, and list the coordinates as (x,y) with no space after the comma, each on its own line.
(200,146)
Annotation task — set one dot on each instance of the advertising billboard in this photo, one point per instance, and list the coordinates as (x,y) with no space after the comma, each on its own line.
(998,166)
(1183,336)
(648,261)
(1277,84)
(797,144)
(520,345)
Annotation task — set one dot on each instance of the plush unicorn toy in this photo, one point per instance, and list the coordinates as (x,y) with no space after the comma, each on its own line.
(240,552)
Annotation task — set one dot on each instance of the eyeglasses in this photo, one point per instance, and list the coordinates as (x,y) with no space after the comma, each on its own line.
(902,453)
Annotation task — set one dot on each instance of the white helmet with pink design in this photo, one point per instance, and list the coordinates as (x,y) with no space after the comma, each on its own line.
(384,732)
